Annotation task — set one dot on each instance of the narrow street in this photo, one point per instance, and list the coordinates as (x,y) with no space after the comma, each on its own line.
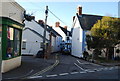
(74,68)
(66,67)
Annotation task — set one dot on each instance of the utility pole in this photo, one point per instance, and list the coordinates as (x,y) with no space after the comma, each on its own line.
(45,28)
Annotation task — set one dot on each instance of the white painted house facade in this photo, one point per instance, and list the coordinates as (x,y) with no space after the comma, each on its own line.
(32,37)
(82,24)
(58,30)
(77,39)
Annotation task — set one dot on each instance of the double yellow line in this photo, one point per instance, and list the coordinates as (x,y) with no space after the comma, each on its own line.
(46,69)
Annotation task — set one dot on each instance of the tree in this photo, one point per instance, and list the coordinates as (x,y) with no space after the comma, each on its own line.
(106,33)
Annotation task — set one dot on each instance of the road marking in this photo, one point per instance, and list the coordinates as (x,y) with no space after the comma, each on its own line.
(35,77)
(95,69)
(87,70)
(98,70)
(111,68)
(46,69)
(90,71)
(74,72)
(51,75)
(106,68)
(79,66)
(82,63)
(78,61)
(83,72)
(64,74)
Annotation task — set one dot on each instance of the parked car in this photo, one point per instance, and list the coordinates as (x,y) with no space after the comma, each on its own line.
(66,51)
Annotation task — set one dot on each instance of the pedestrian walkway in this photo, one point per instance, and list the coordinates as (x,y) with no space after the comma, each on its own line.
(30,65)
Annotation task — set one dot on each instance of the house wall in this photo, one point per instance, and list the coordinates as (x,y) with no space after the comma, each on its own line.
(33,42)
(77,39)
(12,10)
(58,30)
(32,47)
(35,26)
(58,42)
(53,44)
(115,48)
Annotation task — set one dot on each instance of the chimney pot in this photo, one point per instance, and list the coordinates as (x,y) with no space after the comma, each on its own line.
(57,24)
(40,21)
(65,27)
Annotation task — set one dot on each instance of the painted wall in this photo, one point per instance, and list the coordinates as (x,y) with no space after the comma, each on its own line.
(58,30)
(12,10)
(33,41)
(77,39)
(58,42)
(53,44)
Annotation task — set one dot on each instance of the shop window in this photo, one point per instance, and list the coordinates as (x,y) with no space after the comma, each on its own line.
(13,42)
(16,42)
(24,45)
(10,32)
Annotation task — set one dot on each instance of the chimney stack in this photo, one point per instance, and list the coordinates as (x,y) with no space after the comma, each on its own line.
(40,22)
(79,10)
(65,27)
(33,17)
(57,24)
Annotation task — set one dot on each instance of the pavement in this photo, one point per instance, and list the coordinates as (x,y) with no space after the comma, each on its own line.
(30,65)
(107,64)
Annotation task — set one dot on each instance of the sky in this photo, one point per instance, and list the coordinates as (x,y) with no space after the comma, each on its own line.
(66,10)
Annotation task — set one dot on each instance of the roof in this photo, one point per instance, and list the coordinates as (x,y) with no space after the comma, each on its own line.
(87,21)
(53,31)
(65,31)
(36,33)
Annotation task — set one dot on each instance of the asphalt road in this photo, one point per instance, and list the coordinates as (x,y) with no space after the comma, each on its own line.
(74,68)
(69,67)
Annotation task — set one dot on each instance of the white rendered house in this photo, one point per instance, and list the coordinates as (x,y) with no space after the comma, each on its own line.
(82,24)
(33,37)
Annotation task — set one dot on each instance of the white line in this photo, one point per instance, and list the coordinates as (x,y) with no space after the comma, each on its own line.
(110,68)
(79,66)
(86,70)
(51,75)
(90,71)
(64,74)
(95,69)
(74,72)
(78,61)
(98,70)
(83,72)
(36,77)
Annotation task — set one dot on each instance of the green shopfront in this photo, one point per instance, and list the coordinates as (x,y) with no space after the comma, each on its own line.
(11,32)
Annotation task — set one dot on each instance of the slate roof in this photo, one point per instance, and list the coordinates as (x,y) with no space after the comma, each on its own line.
(87,21)
(36,33)
(53,31)
(65,31)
